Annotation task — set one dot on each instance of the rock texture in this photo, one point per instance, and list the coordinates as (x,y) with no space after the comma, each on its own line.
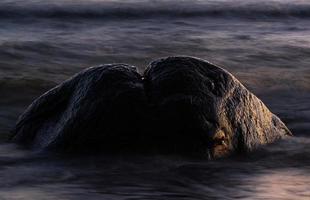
(206,109)
(181,105)
(96,108)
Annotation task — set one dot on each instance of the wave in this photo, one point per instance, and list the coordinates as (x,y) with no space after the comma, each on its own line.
(149,9)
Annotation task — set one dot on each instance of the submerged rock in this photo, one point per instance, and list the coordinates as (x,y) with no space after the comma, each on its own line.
(181,105)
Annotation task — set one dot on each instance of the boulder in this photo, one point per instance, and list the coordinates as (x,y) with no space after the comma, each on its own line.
(100,108)
(206,109)
(181,105)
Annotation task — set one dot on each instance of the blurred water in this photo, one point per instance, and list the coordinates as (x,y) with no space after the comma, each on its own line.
(279,171)
(265,44)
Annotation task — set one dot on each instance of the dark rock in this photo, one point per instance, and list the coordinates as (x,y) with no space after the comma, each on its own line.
(206,109)
(182,105)
(99,108)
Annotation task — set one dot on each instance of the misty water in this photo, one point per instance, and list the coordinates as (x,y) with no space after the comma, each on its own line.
(265,44)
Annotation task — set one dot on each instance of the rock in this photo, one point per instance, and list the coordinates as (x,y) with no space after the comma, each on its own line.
(206,109)
(181,105)
(99,108)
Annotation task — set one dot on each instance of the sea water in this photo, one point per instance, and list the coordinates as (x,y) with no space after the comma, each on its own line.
(265,44)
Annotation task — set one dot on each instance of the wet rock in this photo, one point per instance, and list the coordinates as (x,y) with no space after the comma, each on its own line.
(206,109)
(99,108)
(181,105)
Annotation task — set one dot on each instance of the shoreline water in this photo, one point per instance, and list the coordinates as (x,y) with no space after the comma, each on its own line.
(268,54)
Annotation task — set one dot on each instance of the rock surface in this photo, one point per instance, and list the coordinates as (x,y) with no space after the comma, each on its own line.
(181,105)
(94,109)
(206,109)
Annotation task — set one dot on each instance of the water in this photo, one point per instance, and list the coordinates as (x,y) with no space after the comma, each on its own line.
(265,44)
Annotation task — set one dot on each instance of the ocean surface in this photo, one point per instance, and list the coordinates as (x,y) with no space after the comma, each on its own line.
(265,44)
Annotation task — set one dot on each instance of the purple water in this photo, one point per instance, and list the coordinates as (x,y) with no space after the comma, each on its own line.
(265,44)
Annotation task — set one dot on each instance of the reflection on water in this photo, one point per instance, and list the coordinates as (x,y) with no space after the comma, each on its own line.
(283,184)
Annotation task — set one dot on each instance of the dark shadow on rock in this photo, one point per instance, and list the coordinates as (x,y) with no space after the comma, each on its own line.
(100,108)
